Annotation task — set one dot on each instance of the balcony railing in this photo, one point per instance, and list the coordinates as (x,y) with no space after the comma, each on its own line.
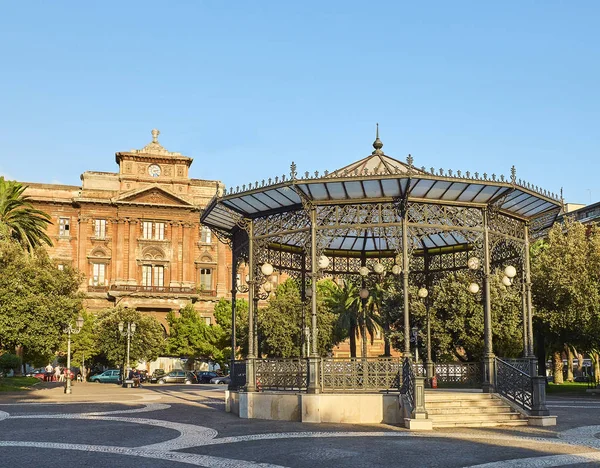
(152,289)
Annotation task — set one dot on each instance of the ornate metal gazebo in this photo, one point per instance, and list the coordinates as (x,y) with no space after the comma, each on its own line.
(382,214)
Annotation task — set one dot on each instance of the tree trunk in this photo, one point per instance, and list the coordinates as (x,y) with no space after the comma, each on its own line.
(353,341)
(557,367)
(579,364)
(569,362)
(597,368)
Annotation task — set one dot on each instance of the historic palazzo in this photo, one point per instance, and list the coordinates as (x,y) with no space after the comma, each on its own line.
(136,234)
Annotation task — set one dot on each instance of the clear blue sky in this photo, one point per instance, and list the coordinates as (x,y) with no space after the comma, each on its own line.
(247,87)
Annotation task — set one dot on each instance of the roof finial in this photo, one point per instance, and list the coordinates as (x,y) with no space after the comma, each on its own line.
(377,144)
(155,134)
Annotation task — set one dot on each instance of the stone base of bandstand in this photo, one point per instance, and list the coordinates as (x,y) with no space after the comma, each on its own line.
(342,408)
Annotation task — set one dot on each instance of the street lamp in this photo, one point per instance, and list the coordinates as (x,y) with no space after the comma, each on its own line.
(68,330)
(128,331)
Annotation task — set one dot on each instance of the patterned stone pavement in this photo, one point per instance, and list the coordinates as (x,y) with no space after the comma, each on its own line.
(168,426)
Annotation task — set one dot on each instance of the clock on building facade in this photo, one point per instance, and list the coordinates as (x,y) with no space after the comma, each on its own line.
(154,170)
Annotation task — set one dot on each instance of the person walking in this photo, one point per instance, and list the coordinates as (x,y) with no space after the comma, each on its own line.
(57,374)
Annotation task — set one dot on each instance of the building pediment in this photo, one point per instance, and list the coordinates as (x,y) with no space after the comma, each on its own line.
(154,195)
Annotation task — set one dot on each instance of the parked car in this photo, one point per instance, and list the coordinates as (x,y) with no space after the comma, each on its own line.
(178,376)
(582,378)
(37,373)
(109,376)
(205,376)
(157,374)
(221,380)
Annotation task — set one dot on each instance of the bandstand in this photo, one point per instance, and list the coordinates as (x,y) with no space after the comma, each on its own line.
(380,216)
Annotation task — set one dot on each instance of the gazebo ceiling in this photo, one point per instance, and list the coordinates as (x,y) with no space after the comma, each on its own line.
(379,178)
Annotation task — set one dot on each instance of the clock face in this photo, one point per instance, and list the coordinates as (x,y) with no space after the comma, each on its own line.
(154,170)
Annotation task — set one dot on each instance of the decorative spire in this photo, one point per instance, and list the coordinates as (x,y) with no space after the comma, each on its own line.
(155,134)
(377,144)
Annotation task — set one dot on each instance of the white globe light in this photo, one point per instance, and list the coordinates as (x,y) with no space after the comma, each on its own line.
(323,262)
(396,269)
(473,263)
(364,293)
(309,292)
(423,293)
(510,271)
(506,281)
(474,288)
(364,271)
(247,278)
(379,268)
(267,269)
(268,286)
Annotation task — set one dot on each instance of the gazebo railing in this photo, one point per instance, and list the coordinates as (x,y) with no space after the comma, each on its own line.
(281,374)
(238,375)
(361,374)
(467,374)
(523,364)
(514,384)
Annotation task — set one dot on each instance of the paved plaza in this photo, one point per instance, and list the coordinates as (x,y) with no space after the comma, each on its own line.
(168,426)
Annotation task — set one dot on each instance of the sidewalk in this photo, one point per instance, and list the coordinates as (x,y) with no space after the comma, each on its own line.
(81,392)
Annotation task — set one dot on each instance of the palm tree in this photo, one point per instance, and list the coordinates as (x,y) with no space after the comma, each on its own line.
(352,320)
(24,223)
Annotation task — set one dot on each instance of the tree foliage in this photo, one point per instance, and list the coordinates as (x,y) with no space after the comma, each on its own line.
(147,343)
(191,337)
(222,313)
(8,362)
(36,301)
(25,223)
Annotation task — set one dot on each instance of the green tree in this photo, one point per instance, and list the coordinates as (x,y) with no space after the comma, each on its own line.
(191,337)
(25,223)
(222,313)
(36,301)
(280,323)
(344,301)
(8,362)
(146,344)
(85,345)
(566,289)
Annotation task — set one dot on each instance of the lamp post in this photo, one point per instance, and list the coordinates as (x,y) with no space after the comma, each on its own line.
(127,330)
(68,330)
(423,293)
(261,295)
(415,338)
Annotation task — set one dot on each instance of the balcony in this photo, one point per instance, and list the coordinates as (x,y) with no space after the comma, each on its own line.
(152,289)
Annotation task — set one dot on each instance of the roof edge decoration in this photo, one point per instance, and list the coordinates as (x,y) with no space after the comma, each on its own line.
(380,178)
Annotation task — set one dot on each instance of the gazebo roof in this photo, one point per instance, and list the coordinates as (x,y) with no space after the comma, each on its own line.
(380,178)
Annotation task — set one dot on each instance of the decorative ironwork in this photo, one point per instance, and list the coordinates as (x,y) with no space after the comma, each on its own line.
(361,374)
(523,364)
(467,374)
(281,374)
(238,375)
(408,382)
(156,289)
(514,384)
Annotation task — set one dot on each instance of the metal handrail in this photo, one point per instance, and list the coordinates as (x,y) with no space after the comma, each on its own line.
(514,384)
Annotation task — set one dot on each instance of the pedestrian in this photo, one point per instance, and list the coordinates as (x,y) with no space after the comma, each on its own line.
(57,374)
(49,372)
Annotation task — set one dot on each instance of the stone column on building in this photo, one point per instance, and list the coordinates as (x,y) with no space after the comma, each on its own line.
(119,260)
(180,253)
(132,277)
(115,241)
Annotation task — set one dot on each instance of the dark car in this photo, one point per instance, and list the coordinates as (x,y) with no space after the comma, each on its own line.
(582,378)
(178,376)
(205,376)
(221,380)
(157,374)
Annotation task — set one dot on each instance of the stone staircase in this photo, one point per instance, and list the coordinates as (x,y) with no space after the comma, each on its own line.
(469,409)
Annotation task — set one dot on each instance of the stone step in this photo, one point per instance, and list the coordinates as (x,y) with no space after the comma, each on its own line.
(457,404)
(467,418)
(432,396)
(512,422)
(470,410)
